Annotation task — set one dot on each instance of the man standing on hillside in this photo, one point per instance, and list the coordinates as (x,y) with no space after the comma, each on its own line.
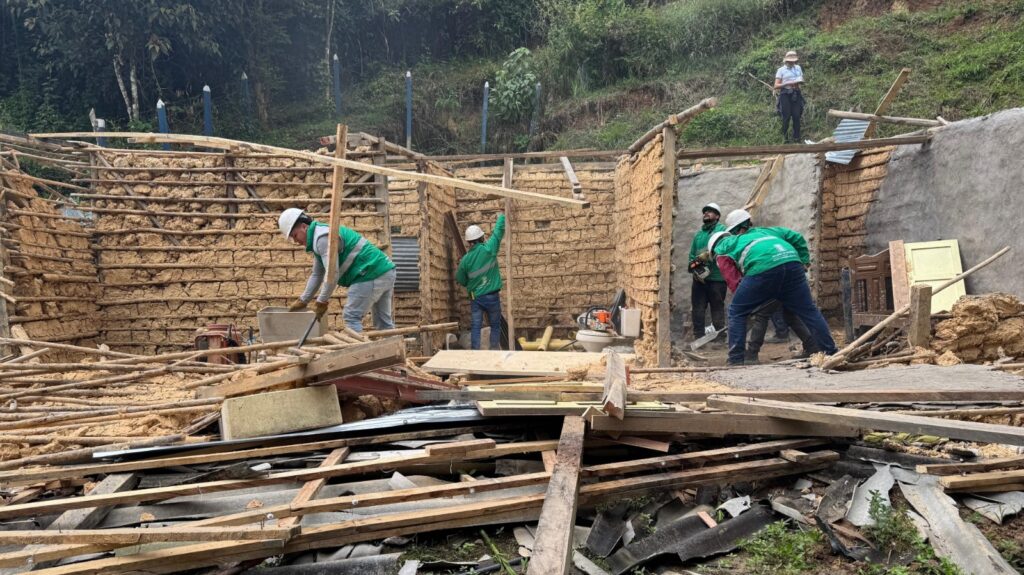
(772,263)
(367,272)
(478,272)
(708,288)
(788,79)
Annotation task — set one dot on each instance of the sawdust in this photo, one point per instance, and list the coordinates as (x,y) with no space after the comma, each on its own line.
(684,382)
(982,328)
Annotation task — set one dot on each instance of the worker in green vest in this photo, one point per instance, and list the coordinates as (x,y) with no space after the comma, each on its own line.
(479,273)
(773,265)
(367,272)
(708,288)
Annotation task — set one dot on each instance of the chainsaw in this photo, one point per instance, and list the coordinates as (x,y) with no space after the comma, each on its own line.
(699,267)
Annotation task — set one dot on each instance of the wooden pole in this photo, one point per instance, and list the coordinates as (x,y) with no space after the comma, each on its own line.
(227,144)
(334,237)
(803,148)
(668,188)
(885,119)
(506,182)
(680,118)
(840,356)
(887,100)
(920,332)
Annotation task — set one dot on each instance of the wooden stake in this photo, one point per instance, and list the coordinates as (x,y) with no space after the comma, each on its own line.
(920,332)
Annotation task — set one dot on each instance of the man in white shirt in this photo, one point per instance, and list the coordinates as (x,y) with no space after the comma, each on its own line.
(788,79)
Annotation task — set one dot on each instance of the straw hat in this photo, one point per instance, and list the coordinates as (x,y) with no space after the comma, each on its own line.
(791,57)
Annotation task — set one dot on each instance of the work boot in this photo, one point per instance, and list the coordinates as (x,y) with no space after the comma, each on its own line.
(776,339)
(750,358)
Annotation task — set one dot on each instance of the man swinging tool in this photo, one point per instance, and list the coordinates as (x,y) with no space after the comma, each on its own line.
(367,272)
(478,272)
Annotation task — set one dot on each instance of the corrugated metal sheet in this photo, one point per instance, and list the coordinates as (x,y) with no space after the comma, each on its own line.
(847,131)
(405,252)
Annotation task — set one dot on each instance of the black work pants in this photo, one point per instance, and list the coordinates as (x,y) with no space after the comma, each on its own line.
(791,107)
(702,295)
(758,324)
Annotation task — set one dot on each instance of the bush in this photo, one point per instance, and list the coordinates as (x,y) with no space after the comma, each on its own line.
(513,90)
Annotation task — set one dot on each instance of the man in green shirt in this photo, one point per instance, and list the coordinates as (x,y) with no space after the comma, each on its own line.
(773,264)
(367,272)
(707,291)
(479,273)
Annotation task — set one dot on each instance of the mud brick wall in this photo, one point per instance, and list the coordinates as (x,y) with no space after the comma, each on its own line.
(48,258)
(217,262)
(847,195)
(563,258)
(438,257)
(638,218)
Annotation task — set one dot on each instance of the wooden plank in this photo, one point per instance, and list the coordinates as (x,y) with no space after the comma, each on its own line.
(520,408)
(576,392)
(174,559)
(982,481)
(716,424)
(553,546)
(615,382)
(972,467)
(886,102)
(919,334)
(340,470)
(802,148)
(124,537)
(310,489)
(487,362)
(924,122)
(460,447)
(644,443)
(880,421)
(900,279)
(227,144)
(667,209)
(334,237)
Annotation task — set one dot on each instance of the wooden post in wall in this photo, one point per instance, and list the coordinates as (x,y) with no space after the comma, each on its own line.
(920,330)
(665,253)
(5,323)
(337,186)
(506,182)
(380,192)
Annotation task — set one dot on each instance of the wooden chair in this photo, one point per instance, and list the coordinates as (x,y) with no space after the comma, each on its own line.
(871,278)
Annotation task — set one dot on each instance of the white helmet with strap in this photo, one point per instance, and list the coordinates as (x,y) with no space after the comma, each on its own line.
(735,218)
(287,220)
(474,233)
(711,206)
(715,237)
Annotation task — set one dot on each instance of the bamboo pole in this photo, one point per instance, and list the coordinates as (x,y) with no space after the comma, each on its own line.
(841,355)
(85,454)
(885,119)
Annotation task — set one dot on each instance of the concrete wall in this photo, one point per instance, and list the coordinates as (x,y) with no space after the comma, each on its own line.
(967,185)
(729,188)
(792,198)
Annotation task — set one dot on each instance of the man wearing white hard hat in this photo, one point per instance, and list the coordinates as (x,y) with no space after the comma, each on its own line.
(367,272)
(773,263)
(708,288)
(479,273)
(788,79)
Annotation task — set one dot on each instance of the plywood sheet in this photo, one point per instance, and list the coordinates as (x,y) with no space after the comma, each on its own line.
(933,263)
(485,362)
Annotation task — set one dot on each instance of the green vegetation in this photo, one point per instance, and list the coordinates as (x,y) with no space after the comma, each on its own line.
(609,68)
(896,537)
(777,550)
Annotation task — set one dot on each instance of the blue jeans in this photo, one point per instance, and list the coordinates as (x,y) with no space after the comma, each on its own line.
(491,305)
(786,283)
(362,296)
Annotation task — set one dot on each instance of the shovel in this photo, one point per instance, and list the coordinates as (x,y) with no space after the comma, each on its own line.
(702,341)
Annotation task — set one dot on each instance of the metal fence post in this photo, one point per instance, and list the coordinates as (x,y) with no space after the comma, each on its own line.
(207,111)
(408,109)
(336,73)
(161,116)
(483,127)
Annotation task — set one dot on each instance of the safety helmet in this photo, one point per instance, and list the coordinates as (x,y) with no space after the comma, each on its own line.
(287,220)
(714,240)
(712,206)
(474,233)
(735,218)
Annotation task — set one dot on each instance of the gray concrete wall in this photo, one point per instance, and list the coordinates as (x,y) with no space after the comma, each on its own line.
(792,198)
(729,188)
(968,185)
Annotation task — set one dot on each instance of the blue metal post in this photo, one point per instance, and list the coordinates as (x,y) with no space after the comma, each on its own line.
(207,112)
(535,118)
(161,116)
(483,126)
(246,106)
(408,109)
(336,69)
(101,126)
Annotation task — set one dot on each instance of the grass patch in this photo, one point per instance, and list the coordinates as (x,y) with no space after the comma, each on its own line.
(778,550)
(895,535)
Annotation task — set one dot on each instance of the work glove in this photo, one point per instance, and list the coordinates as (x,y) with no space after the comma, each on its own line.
(297,305)
(320,307)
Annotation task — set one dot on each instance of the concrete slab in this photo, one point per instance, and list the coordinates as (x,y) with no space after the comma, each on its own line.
(280,412)
(913,377)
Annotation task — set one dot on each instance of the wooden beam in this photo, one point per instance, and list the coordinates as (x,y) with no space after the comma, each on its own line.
(716,424)
(900,277)
(886,102)
(972,467)
(668,194)
(616,379)
(334,236)
(310,489)
(683,118)
(985,481)
(553,546)
(174,559)
(803,148)
(124,537)
(919,333)
(227,144)
(570,173)
(884,119)
(880,421)
(507,173)
(698,458)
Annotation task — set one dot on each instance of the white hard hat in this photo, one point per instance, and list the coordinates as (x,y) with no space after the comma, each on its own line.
(735,218)
(714,240)
(712,206)
(287,220)
(474,233)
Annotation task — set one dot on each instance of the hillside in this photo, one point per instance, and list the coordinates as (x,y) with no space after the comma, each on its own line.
(965,58)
